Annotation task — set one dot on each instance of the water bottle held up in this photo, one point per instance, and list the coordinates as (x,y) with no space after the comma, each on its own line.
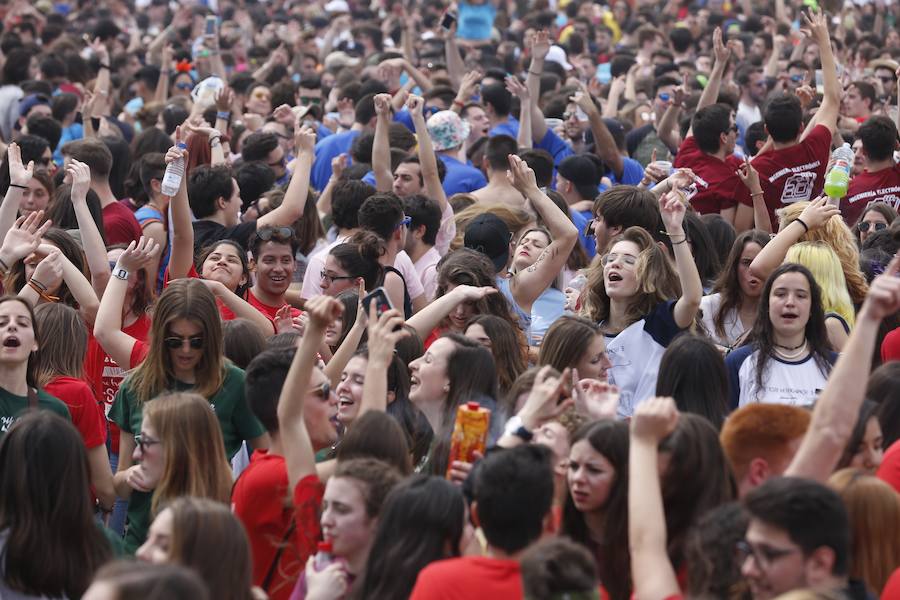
(323,556)
(838,178)
(174,173)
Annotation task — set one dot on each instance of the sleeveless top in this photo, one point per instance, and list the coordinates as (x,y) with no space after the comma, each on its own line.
(407,301)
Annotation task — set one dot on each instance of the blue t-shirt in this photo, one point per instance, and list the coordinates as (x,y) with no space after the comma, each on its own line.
(548,307)
(476,21)
(73,132)
(632,173)
(580,219)
(510,128)
(330,147)
(145,215)
(555,145)
(460,177)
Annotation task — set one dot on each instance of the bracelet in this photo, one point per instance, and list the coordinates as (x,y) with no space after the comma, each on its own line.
(95,123)
(42,293)
(458,103)
(38,284)
(755,194)
(214,141)
(680,241)
(530,72)
(223,114)
(104,66)
(16,185)
(805,226)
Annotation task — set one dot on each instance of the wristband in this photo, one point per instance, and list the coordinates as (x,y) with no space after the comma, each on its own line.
(43,294)
(16,185)
(223,114)
(533,73)
(95,123)
(120,273)
(459,103)
(214,141)
(802,222)
(104,66)
(4,266)
(515,427)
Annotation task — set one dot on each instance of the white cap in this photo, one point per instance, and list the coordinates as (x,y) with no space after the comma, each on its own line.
(558,55)
(337,6)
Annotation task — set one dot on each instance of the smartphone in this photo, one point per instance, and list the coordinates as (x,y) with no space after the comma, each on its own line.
(447,21)
(820,82)
(382,302)
(211,23)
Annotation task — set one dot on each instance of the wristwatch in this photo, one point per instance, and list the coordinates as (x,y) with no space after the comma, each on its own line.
(515,427)
(120,273)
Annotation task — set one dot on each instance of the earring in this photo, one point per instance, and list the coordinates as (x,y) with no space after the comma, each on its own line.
(447,387)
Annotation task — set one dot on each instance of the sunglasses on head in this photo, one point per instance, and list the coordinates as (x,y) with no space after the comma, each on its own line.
(865,226)
(174,342)
(405,222)
(282,233)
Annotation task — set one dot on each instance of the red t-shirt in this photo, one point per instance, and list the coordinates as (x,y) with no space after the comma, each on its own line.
(469,577)
(890,347)
(224,312)
(267,310)
(868,188)
(260,500)
(891,589)
(87,416)
(105,376)
(889,470)
(793,174)
(120,225)
(717,187)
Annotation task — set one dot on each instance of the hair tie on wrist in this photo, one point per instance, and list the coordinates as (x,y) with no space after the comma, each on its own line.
(802,222)
(16,185)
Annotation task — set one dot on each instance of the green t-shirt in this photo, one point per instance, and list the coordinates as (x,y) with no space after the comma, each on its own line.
(11,407)
(236,420)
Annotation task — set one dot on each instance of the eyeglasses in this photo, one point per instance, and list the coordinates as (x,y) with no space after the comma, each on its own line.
(865,226)
(267,233)
(611,258)
(329,278)
(184,86)
(143,442)
(763,555)
(404,223)
(310,100)
(175,342)
(797,78)
(323,390)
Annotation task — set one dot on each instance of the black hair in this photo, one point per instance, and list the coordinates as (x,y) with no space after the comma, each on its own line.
(151,166)
(360,257)
(681,39)
(414,159)
(254,179)
(121,163)
(361,148)
(868,410)
(721,233)
(692,371)
(541,162)
(498,97)
(705,257)
(713,569)
(45,127)
(878,135)
(708,124)
(801,507)
(258,145)
(381,213)
(347,197)
(263,381)
(499,147)
(15,68)
(423,211)
(63,104)
(883,389)
(784,118)
(755,133)
(558,568)
(205,186)
(514,492)
(364,111)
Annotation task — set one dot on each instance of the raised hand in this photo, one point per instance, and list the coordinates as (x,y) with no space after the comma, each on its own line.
(49,271)
(23,238)
(470,293)
(384,332)
(100,51)
(721,51)
(224,99)
(673,210)
(199,126)
(547,400)
(654,419)
(415,104)
(18,175)
(817,25)
(78,175)
(540,44)
(338,164)
(304,139)
(468,84)
(596,399)
(517,88)
(322,311)
(284,115)
(584,100)
(749,175)
(383,105)
(138,254)
(521,176)
(818,211)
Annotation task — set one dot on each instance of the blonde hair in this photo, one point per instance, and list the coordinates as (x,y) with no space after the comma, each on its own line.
(657,280)
(195,462)
(515,218)
(184,299)
(874,510)
(836,234)
(826,268)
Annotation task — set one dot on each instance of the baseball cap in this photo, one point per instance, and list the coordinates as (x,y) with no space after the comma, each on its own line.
(487,233)
(558,55)
(447,130)
(583,173)
(30,101)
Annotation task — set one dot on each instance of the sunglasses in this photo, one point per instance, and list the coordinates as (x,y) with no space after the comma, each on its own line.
(865,226)
(175,342)
(323,391)
(143,442)
(665,97)
(404,223)
(184,86)
(797,78)
(282,233)
(310,100)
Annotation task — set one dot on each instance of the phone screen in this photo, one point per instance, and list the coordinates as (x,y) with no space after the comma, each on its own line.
(210,25)
(382,302)
(448,20)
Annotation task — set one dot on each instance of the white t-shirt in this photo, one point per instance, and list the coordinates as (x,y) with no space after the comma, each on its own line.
(733,326)
(784,382)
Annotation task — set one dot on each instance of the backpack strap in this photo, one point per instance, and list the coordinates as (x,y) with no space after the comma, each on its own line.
(270,573)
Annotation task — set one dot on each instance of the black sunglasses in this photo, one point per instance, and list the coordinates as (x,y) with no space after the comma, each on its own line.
(865,226)
(175,342)
(282,233)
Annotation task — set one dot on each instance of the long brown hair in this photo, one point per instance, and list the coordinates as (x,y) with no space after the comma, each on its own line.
(507,346)
(63,345)
(183,299)
(15,280)
(208,538)
(35,357)
(728,284)
(195,463)
(657,280)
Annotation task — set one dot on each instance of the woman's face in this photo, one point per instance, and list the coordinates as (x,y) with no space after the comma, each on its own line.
(157,548)
(591,477)
(875,221)
(185,357)
(224,265)
(529,248)
(594,363)
(350,389)
(31,262)
(871,449)
(336,279)
(260,101)
(428,373)
(461,314)
(553,435)
(789,303)
(150,454)
(35,198)
(620,270)
(344,520)
(16,333)
(476,333)
(182,85)
(333,332)
(750,286)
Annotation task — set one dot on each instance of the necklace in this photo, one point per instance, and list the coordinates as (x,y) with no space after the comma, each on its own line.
(791,348)
(801,350)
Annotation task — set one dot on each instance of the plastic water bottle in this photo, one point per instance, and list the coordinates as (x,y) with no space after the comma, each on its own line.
(174,172)
(838,178)
(323,556)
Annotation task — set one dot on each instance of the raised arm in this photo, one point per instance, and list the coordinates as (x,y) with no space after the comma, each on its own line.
(543,404)
(161,94)
(298,449)
(182,257)
(711,91)
(298,189)
(837,410)
(527,285)
(323,202)
(384,333)
(102,84)
(427,158)
(79,175)
(814,215)
(456,67)
(673,210)
(78,285)
(19,177)
(540,46)
(651,570)
(381,147)
(22,239)
(604,143)
(240,307)
(666,129)
(515,87)
(829,110)
(750,177)
(108,325)
(431,316)
(348,347)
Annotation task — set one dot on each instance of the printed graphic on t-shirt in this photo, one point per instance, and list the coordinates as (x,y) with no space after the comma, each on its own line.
(113,375)
(797,187)
(888,195)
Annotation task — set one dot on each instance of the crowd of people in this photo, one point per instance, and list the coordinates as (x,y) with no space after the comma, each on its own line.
(257,257)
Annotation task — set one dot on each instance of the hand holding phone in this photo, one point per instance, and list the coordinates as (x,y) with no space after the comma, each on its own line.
(382,302)
(448,20)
